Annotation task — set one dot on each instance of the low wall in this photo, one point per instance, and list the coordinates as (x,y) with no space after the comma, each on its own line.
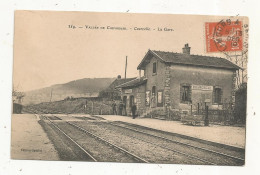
(223,117)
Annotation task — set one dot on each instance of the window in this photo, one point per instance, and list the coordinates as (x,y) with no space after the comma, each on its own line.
(217,95)
(185,94)
(153,90)
(160,98)
(154,68)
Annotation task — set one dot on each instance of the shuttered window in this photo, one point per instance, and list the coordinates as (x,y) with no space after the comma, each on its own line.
(153,90)
(217,95)
(154,68)
(185,93)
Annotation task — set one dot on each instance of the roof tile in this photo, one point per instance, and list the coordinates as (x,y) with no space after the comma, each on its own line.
(197,60)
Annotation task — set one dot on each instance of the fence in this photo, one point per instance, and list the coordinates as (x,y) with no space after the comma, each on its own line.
(222,114)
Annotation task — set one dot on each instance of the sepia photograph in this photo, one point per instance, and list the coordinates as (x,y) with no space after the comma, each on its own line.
(129,88)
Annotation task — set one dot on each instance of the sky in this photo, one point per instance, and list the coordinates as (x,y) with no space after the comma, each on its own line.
(47,51)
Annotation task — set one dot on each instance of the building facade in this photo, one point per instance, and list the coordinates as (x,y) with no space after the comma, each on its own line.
(180,81)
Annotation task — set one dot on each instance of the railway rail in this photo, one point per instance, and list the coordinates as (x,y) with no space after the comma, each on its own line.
(183,138)
(239,159)
(109,143)
(217,156)
(77,144)
(205,153)
(171,149)
(116,147)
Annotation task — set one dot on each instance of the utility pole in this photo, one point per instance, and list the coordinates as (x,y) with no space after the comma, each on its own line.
(125,66)
(51,95)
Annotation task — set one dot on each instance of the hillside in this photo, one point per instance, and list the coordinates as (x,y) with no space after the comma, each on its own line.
(87,87)
(71,106)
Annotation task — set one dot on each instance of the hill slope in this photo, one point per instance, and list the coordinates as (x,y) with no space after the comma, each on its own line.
(87,87)
(75,106)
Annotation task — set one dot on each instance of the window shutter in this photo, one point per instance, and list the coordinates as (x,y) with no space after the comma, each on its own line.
(154,67)
(181,92)
(189,94)
(214,95)
(221,95)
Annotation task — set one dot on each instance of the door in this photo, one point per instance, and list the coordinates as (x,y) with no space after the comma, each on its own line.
(124,100)
(125,103)
(132,100)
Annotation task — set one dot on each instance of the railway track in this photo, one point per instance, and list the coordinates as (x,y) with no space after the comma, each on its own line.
(238,160)
(189,156)
(120,153)
(139,159)
(193,158)
(191,151)
(215,147)
(77,144)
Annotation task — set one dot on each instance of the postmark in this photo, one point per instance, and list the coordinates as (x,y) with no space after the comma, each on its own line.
(224,36)
(229,36)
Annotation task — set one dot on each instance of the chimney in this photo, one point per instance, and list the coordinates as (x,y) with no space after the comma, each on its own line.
(186,49)
(139,77)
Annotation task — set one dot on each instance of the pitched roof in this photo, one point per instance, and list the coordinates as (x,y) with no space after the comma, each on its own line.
(133,83)
(117,82)
(187,59)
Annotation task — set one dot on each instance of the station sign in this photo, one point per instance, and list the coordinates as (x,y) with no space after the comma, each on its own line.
(202,87)
(128,91)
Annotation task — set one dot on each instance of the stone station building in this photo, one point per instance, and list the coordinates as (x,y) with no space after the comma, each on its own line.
(180,82)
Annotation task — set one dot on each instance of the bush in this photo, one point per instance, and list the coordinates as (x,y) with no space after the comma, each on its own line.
(240,104)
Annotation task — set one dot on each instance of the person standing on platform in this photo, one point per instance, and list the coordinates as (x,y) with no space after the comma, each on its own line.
(114,108)
(121,106)
(133,109)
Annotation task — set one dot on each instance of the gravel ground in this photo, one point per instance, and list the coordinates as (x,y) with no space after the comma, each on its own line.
(30,138)
(229,135)
(230,151)
(67,150)
(148,151)
(98,149)
(29,141)
(216,159)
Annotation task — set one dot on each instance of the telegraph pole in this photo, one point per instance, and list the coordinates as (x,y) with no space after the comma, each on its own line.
(125,66)
(51,95)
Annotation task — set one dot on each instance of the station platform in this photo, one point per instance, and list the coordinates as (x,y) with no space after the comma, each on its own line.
(228,135)
(28,139)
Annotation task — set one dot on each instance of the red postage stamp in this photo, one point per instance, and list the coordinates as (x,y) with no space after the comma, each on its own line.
(224,36)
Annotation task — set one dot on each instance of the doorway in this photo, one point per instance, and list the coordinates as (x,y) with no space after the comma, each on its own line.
(124,100)
(132,100)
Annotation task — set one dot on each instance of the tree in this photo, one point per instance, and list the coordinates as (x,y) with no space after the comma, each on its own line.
(17,96)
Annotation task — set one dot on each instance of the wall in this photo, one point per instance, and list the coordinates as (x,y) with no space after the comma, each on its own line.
(157,79)
(199,76)
(139,95)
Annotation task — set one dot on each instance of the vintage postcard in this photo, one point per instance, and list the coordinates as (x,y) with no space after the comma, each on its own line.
(130,88)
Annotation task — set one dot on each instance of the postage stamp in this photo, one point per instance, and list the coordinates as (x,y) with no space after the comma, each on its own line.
(225,35)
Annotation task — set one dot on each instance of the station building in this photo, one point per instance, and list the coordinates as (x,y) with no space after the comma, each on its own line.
(176,81)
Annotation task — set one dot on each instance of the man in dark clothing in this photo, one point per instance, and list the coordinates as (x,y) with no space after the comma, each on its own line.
(114,108)
(124,109)
(121,106)
(133,109)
